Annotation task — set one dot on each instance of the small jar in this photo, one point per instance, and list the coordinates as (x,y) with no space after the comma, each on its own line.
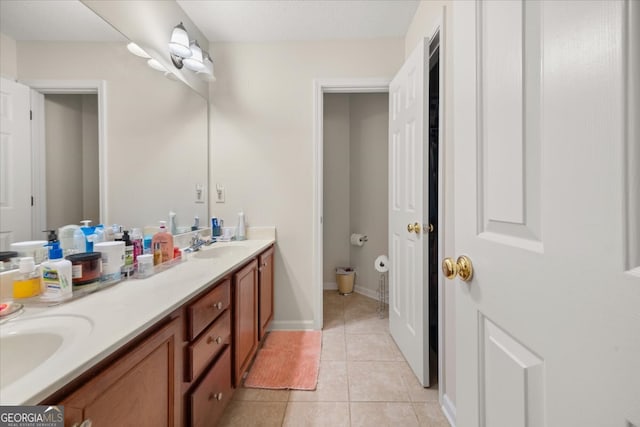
(145,265)
(86,268)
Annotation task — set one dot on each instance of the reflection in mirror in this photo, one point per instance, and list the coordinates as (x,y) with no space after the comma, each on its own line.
(151,132)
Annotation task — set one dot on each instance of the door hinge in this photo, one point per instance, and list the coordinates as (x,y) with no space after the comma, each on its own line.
(31,200)
(30,114)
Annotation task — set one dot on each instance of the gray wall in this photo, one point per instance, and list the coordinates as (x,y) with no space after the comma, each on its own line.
(355,184)
(71,141)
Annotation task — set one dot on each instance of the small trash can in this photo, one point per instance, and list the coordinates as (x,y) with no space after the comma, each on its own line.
(345,276)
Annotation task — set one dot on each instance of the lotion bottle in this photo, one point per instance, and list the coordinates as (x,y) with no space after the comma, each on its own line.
(56,275)
(165,239)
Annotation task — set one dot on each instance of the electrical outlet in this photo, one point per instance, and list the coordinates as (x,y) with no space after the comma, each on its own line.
(199,193)
(219,193)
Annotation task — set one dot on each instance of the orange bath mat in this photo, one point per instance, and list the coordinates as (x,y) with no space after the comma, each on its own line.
(287,360)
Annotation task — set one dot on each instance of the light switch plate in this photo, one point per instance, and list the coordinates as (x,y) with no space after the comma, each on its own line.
(199,193)
(219,193)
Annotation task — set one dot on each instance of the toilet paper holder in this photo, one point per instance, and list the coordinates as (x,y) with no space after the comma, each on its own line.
(358,239)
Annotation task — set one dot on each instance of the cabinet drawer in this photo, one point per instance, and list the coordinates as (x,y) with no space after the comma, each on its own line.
(209,399)
(208,308)
(209,345)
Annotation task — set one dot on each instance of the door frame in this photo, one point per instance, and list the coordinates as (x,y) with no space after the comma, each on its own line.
(38,175)
(320,87)
(376,85)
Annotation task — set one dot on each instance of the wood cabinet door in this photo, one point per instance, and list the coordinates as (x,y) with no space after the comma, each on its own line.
(139,389)
(245,336)
(265,261)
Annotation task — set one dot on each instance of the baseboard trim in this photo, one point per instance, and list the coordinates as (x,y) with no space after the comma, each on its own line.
(291,325)
(330,286)
(366,292)
(333,286)
(449,410)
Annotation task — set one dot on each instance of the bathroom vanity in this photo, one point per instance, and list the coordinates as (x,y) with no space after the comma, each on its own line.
(167,350)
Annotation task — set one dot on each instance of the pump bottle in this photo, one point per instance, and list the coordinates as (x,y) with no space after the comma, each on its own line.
(56,274)
(28,282)
(165,239)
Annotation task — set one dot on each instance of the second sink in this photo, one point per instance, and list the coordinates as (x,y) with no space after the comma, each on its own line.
(223,250)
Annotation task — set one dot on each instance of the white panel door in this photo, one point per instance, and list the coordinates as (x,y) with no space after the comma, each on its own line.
(408,291)
(15,163)
(546,207)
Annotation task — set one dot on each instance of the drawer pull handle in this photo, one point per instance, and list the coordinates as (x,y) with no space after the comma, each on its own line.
(217,305)
(216,396)
(218,340)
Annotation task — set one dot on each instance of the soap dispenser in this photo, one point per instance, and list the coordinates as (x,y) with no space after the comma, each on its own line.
(56,273)
(241,233)
(165,241)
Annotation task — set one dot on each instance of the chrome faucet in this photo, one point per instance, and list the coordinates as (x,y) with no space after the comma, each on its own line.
(196,243)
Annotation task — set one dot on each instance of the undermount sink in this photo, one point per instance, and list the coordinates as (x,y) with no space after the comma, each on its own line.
(26,343)
(224,250)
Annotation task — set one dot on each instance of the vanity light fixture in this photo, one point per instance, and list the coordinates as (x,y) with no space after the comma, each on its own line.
(207,75)
(189,54)
(194,62)
(179,43)
(137,50)
(156,65)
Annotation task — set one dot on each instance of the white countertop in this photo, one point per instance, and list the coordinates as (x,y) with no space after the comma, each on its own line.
(120,313)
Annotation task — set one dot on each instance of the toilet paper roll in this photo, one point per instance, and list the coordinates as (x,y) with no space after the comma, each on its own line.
(382,264)
(358,239)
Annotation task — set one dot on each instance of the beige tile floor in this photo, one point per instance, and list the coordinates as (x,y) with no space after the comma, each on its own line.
(363,381)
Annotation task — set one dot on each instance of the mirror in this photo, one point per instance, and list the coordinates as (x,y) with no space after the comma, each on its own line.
(153,132)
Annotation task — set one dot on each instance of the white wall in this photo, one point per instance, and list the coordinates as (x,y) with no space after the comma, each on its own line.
(335,216)
(156,129)
(369,134)
(424,22)
(8,67)
(262,144)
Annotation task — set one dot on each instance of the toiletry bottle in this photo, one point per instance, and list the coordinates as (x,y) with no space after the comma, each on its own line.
(157,254)
(241,233)
(127,268)
(173,228)
(79,241)
(166,242)
(138,248)
(28,282)
(89,233)
(215,227)
(67,236)
(56,275)
(196,223)
(100,235)
(147,246)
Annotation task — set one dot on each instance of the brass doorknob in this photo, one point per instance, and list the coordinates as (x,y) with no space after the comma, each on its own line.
(430,228)
(417,228)
(410,228)
(462,268)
